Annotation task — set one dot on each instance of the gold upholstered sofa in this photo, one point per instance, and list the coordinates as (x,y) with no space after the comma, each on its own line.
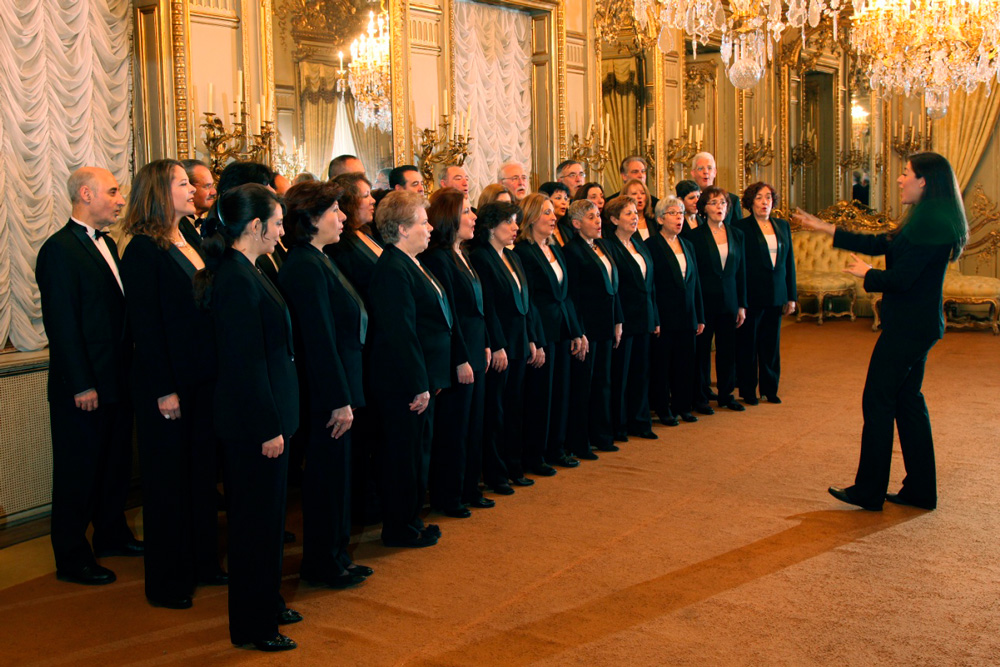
(820,278)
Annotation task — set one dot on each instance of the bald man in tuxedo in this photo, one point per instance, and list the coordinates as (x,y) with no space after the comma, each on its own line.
(90,347)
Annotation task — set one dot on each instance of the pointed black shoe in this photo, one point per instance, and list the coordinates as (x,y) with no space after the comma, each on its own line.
(88,575)
(566,461)
(481,503)
(279,643)
(688,417)
(843,496)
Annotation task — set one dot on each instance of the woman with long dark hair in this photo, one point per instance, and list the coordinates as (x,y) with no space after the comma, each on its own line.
(771,293)
(592,191)
(917,252)
(256,406)
(457,446)
(331,324)
(546,386)
(173,379)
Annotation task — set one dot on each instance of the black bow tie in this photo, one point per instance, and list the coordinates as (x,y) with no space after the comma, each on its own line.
(100,235)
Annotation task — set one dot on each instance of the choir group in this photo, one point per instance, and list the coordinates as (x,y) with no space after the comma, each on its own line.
(379,354)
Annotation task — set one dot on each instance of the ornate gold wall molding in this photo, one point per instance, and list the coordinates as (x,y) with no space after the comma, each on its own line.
(398,18)
(697,76)
(179,29)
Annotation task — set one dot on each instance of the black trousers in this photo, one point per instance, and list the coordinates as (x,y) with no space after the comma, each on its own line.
(405,463)
(326,499)
(494,468)
(559,406)
(892,395)
(621,358)
(366,503)
(474,441)
(91,470)
(723,328)
(758,344)
(507,423)
(256,491)
(675,379)
(448,447)
(179,510)
(590,400)
(537,410)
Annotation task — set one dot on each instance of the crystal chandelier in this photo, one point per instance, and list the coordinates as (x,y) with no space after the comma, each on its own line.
(934,46)
(369,74)
(749,30)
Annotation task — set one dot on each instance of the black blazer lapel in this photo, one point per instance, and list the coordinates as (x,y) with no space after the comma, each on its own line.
(610,282)
(91,248)
(349,288)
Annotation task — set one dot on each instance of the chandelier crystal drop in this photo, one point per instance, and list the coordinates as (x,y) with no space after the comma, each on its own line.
(369,74)
(933,46)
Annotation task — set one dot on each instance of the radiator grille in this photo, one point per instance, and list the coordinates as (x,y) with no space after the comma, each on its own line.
(25,446)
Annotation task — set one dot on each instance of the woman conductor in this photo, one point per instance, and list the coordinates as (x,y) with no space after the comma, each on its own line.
(256,406)
(917,253)
(410,363)
(331,323)
(173,381)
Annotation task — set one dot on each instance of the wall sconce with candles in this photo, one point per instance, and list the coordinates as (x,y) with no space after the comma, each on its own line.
(238,143)
(759,151)
(681,150)
(448,146)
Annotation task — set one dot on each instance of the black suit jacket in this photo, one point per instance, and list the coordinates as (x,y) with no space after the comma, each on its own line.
(174,339)
(83,309)
(507,307)
(355,259)
(566,231)
(636,292)
(911,283)
(330,325)
(189,229)
(555,309)
(594,294)
(768,285)
(465,292)
(723,290)
(678,298)
(411,342)
(257,389)
(686,230)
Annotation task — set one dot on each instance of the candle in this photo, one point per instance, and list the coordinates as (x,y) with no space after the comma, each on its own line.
(468,122)
(211,97)
(239,90)
(677,128)
(446,103)
(753,134)
(434,115)
(340,54)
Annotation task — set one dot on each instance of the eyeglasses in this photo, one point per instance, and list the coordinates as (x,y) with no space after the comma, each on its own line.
(520,179)
(672,211)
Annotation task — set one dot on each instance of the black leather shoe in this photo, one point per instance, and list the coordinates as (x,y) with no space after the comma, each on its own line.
(363,570)
(900,499)
(773,398)
(522,481)
(669,421)
(481,503)
(688,417)
(589,456)
(219,578)
(621,436)
(279,643)
(712,396)
(132,548)
(418,542)
(89,575)
(459,512)
(732,405)
(752,400)
(704,409)
(608,448)
(345,579)
(566,461)
(843,496)
(289,616)
(500,489)
(182,602)
(289,538)
(432,529)
(544,470)
(649,435)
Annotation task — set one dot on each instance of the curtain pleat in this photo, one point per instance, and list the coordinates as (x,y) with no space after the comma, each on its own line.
(965,131)
(493,74)
(65,103)
(621,108)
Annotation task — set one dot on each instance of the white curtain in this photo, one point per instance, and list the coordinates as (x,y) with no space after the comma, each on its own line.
(493,73)
(65,103)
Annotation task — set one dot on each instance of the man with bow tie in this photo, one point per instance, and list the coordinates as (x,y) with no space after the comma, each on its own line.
(83,308)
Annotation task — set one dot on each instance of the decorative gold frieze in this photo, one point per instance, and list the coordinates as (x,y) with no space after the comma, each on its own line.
(697,76)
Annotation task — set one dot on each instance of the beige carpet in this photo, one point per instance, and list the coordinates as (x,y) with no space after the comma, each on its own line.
(715,545)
